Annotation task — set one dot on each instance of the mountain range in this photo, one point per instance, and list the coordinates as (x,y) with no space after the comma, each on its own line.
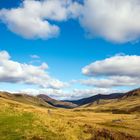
(99,101)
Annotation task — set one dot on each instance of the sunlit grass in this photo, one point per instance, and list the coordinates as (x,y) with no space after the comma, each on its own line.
(19,121)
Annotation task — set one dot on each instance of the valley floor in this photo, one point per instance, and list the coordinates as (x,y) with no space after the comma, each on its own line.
(19,121)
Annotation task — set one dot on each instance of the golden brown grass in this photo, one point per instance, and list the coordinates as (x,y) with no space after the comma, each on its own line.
(126,106)
(24,121)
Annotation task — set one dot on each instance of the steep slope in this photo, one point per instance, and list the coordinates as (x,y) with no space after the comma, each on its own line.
(57,103)
(96,98)
(128,103)
(24,98)
(132,93)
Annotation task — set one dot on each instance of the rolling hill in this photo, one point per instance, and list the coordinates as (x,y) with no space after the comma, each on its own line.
(96,98)
(26,99)
(118,102)
(129,102)
(56,103)
(40,100)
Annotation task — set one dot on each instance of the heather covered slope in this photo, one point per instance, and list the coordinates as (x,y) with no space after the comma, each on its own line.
(133,93)
(128,103)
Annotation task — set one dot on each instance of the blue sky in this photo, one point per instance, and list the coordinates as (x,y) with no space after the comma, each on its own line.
(66,55)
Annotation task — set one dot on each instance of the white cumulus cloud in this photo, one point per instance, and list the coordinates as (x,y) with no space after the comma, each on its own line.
(113,20)
(15,72)
(31,18)
(116,71)
(128,65)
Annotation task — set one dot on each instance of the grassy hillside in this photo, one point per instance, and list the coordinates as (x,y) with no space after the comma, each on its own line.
(97,97)
(129,103)
(127,106)
(22,121)
(24,98)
